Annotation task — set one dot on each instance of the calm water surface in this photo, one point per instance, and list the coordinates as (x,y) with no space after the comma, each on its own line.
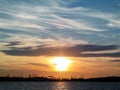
(59,85)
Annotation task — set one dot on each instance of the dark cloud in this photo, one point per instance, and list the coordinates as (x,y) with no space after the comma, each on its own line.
(13,44)
(39,64)
(75,51)
(2,66)
(114,60)
(103,66)
(116,54)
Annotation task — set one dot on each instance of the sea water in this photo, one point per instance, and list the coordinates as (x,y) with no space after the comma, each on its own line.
(59,85)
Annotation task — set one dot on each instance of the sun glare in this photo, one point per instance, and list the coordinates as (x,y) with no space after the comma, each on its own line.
(61,63)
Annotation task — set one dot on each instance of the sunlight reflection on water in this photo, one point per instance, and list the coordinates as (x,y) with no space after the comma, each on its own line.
(60,86)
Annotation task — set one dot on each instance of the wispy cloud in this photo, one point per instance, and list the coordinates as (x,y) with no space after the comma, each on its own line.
(55,23)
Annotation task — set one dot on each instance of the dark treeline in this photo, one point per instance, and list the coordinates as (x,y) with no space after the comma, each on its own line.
(51,78)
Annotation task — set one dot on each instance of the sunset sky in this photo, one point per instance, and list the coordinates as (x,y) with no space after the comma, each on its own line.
(36,34)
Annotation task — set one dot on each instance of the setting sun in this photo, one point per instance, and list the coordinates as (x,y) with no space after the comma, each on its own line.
(61,63)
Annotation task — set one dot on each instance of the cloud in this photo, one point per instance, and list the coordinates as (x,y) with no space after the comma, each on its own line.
(114,60)
(29,41)
(112,19)
(72,51)
(115,54)
(55,23)
(114,23)
(13,44)
(39,64)
(72,24)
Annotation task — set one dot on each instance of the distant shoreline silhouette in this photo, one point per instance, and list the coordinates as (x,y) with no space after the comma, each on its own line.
(99,79)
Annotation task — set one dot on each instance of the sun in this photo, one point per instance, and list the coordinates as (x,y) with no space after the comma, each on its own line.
(61,63)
